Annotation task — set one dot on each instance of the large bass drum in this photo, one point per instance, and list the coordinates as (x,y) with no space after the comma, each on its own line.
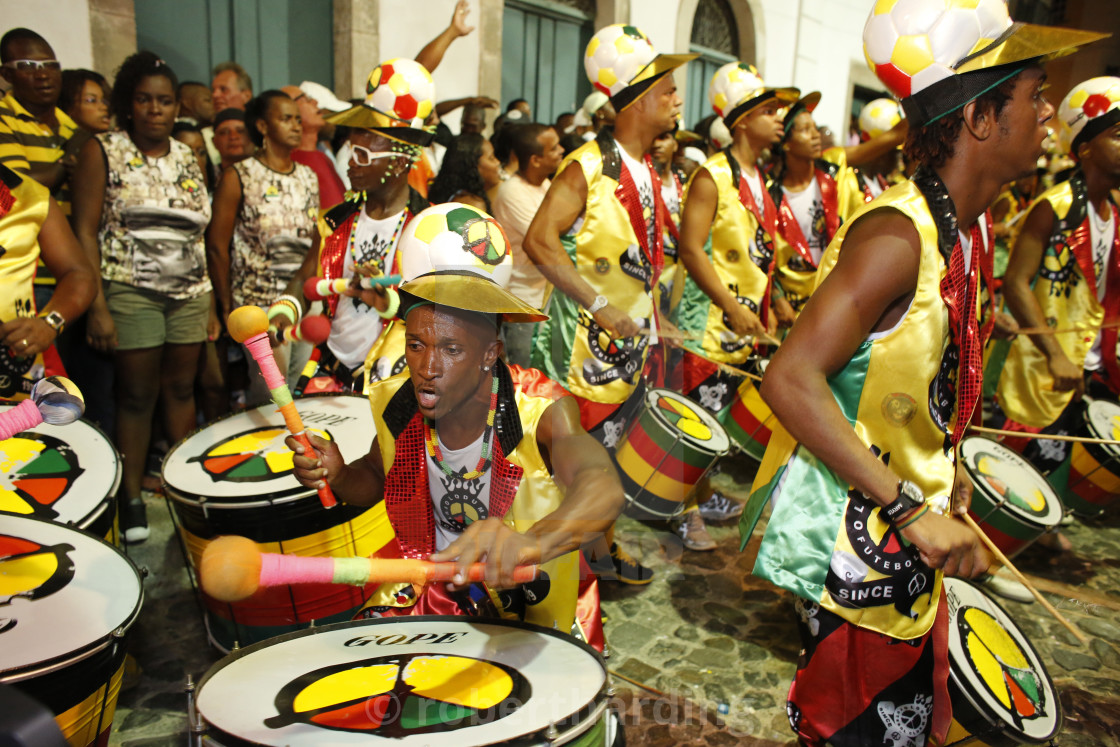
(409,682)
(67,601)
(235,477)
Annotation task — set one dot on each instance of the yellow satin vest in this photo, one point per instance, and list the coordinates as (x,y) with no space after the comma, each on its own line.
(822,543)
(1026,392)
(733,249)
(537,496)
(797,278)
(19,243)
(572,349)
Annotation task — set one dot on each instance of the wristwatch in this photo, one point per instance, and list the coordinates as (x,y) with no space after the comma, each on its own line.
(54,319)
(910,497)
(599,302)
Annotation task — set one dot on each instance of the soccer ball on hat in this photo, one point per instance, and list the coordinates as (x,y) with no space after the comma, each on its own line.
(615,55)
(731,84)
(912,44)
(402,89)
(453,236)
(1087,101)
(878,116)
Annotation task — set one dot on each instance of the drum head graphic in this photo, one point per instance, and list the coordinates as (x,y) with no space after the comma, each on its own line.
(60,473)
(244,455)
(410,682)
(681,414)
(997,668)
(1104,422)
(61,592)
(1011,480)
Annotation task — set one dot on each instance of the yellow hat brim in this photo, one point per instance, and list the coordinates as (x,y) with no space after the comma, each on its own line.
(471,293)
(1027,41)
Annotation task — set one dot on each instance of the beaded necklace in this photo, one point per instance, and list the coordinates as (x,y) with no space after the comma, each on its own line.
(378,256)
(431,439)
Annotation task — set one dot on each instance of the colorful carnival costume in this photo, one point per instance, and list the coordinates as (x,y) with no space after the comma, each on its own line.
(871,613)
(1076,285)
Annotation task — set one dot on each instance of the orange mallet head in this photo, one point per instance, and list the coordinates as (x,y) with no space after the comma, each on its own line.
(247,321)
(230,568)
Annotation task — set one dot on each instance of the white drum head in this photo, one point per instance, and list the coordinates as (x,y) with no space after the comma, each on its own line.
(996,667)
(679,414)
(402,681)
(1104,422)
(62,593)
(1005,476)
(62,473)
(243,456)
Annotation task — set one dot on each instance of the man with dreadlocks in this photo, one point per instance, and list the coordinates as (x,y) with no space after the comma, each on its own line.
(359,236)
(880,377)
(474,459)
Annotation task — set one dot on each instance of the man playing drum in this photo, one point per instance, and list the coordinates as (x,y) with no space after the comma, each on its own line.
(1064,272)
(880,377)
(474,460)
(597,237)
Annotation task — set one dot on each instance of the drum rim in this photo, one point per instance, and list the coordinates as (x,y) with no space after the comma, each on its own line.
(1048,490)
(718,428)
(592,707)
(61,661)
(979,704)
(118,475)
(1112,449)
(214,502)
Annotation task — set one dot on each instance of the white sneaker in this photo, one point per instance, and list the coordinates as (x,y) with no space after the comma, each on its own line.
(720,508)
(1004,584)
(693,533)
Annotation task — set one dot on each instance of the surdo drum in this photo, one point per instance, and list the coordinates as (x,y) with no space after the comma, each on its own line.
(749,420)
(235,477)
(672,443)
(1011,499)
(1094,469)
(1001,693)
(67,474)
(409,682)
(67,600)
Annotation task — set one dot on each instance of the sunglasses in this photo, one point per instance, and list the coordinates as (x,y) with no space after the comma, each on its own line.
(363,156)
(31,66)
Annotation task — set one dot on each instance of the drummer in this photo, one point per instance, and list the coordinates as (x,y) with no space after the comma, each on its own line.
(359,235)
(871,396)
(1065,272)
(475,460)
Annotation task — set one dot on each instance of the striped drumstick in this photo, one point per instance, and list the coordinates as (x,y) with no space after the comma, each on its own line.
(319,289)
(249,326)
(233,568)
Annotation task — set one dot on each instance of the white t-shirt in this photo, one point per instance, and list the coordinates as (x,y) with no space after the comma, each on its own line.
(1102,233)
(808,207)
(639,172)
(457,503)
(514,207)
(355,326)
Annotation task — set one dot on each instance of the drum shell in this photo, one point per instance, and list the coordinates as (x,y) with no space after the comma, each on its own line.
(1010,528)
(584,727)
(748,421)
(659,467)
(1094,479)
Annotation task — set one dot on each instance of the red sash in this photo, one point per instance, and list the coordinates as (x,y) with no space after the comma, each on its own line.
(768,217)
(790,228)
(1080,243)
(627,194)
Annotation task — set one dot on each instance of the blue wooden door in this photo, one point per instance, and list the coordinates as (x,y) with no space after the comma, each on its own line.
(542,57)
(279,42)
(700,72)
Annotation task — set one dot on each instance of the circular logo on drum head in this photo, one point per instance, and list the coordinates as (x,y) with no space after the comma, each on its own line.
(399,696)
(253,455)
(29,570)
(1002,665)
(899,409)
(36,471)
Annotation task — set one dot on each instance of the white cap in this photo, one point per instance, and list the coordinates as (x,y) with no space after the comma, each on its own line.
(594,102)
(326,98)
(693,153)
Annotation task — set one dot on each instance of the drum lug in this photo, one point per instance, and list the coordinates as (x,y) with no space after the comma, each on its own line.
(551,733)
(606,652)
(119,632)
(310,623)
(194,724)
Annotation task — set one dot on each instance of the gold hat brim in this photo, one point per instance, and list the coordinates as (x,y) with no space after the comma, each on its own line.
(471,292)
(658,67)
(785,96)
(1027,41)
(363,117)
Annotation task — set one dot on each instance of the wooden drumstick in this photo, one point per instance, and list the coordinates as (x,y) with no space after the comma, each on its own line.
(1044,436)
(233,568)
(249,326)
(54,400)
(1023,579)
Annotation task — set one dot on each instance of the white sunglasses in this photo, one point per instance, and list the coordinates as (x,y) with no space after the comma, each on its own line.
(363,156)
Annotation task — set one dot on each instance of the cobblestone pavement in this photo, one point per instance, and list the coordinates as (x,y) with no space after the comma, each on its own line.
(712,647)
